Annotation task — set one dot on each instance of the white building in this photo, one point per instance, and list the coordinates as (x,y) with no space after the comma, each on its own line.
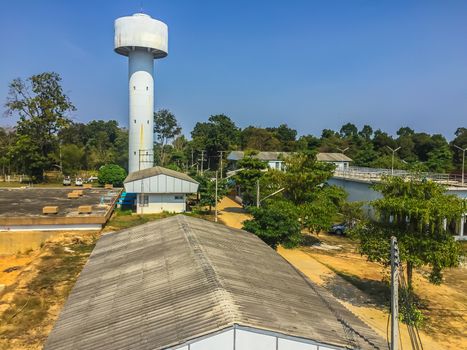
(189,284)
(160,189)
(340,160)
(275,160)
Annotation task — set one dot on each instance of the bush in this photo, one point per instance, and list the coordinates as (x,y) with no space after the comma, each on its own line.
(111,174)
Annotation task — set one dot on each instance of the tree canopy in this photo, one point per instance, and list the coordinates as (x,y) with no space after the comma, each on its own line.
(418,213)
(276,223)
(43,110)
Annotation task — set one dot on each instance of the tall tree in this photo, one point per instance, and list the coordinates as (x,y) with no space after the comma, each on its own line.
(286,136)
(218,134)
(43,110)
(252,171)
(166,128)
(259,139)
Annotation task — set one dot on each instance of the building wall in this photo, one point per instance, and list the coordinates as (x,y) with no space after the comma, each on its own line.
(276,164)
(158,203)
(161,184)
(244,338)
(341,165)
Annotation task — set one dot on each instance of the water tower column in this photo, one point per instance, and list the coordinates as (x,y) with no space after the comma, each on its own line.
(141,109)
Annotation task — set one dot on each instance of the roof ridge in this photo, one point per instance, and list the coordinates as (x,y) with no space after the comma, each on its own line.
(224,298)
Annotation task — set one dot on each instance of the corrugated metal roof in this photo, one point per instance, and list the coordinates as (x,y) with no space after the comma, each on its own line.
(169,281)
(157,170)
(333,157)
(324,157)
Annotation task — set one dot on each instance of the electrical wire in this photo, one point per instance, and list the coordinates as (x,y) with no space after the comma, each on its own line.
(414,335)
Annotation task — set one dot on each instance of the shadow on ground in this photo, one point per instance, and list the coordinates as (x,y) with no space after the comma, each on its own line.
(234,210)
(309,240)
(358,291)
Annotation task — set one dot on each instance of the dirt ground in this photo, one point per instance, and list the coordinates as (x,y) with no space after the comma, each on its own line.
(35,286)
(357,283)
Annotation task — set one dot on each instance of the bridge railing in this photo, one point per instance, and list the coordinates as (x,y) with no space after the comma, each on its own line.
(375,174)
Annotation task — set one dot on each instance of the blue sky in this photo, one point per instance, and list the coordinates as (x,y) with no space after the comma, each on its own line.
(311,64)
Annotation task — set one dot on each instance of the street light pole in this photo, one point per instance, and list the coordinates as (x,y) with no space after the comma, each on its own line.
(257,193)
(215,207)
(463,162)
(393,153)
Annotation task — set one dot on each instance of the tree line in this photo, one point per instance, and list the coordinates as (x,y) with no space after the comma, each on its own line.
(46,138)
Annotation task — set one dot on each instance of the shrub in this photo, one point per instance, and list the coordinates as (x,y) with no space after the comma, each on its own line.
(277,223)
(111,174)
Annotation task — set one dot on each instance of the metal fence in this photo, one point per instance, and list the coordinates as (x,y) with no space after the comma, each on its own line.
(375,174)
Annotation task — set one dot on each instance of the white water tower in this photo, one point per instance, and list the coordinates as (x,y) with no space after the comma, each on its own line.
(142,39)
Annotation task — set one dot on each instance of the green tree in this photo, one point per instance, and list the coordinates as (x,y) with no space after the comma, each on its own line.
(259,139)
(286,136)
(319,214)
(252,171)
(43,110)
(304,177)
(414,211)
(7,141)
(72,159)
(207,190)
(166,128)
(348,131)
(218,134)
(276,223)
(111,174)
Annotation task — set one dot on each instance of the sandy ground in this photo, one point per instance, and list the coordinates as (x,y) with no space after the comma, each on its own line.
(316,263)
(12,265)
(231,213)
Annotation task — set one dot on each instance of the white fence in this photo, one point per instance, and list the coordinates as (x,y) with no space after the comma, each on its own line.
(375,174)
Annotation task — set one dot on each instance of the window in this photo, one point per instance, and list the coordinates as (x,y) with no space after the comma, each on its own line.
(143,200)
(178,197)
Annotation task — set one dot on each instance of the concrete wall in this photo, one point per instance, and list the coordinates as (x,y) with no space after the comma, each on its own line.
(58,227)
(357,191)
(244,338)
(158,203)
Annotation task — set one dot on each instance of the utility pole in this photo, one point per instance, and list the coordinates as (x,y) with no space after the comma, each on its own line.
(257,193)
(392,164)
(220,156)
(192,162)
(463,162)
(394,294)
(215,206)
(202,161)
